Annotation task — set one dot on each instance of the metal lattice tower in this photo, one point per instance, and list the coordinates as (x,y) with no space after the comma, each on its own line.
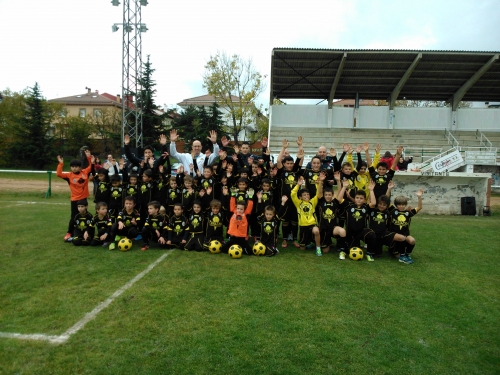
(131,68)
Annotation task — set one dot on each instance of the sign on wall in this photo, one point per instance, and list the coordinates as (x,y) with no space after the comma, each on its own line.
(481,157)
(448,162)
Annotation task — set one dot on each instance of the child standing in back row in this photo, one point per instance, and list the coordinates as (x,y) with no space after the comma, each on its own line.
(78,181)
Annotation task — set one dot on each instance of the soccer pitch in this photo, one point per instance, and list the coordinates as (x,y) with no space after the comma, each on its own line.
(169,311)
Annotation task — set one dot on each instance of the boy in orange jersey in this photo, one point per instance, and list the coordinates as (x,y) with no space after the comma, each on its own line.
(238,224)
(78,181)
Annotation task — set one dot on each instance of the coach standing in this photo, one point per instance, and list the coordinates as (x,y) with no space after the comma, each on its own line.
(187,159)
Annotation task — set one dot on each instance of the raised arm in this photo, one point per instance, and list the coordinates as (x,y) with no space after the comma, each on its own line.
(419,194)
(399,152)
(284,146)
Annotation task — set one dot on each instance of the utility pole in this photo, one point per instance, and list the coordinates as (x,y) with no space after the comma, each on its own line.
(131,67)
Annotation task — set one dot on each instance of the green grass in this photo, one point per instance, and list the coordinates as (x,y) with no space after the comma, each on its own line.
(198,313)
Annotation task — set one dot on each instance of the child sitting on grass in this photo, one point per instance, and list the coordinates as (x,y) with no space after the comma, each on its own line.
(82,221)
(127,222)
(100,228)
(153,225)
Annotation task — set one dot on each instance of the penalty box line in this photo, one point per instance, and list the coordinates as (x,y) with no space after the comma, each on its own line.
(61,339)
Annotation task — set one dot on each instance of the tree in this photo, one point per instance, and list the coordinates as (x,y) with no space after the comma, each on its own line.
(151,120)
(11,111)
(195,123)
(32,143)
(77,133)
(428,103)
(108,127)
(236,85)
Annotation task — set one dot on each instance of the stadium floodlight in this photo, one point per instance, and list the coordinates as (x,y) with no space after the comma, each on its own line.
(114,28)
(143,28)
(128,28)
(115,3)
(143,2)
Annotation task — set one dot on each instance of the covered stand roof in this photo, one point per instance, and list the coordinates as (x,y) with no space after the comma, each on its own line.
(390,75)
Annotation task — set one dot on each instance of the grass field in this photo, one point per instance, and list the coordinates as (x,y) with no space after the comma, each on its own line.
(198,313)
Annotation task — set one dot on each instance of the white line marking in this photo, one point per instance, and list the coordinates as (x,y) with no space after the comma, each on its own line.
(89,316)
(26,202)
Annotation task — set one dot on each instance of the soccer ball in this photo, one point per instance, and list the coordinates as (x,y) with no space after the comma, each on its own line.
(259,249)
(215,247)
(355,253)
(124,244)
(235,251)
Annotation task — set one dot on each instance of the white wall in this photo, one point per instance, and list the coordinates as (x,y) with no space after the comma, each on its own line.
(342,117)
(484,119)
(300,115)
(372,117)
(422,118)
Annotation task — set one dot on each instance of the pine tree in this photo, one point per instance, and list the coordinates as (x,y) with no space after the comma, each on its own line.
(151,120)
(32,146)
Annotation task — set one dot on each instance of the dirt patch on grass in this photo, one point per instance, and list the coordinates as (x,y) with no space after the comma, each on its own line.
(19,186)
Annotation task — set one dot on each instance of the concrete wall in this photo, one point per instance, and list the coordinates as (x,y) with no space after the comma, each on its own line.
(372,117)
(442,193)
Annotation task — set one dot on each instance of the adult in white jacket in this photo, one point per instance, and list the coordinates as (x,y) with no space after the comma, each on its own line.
(187,159)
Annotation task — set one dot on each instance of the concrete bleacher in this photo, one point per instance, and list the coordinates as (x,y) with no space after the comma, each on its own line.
(421,144)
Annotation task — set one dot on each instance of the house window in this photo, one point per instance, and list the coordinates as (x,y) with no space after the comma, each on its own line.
(97,112)
(63,113)
(83,112)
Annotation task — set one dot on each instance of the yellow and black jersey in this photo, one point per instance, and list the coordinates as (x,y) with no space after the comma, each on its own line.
(306,210)
(155,222)
(146,193)
(82,222)
(311,177)
(98,223)
(132,190)
(355,216)
(381,181)
(126,218)
(116,199)
(214,224)
(196,223)
(399,221)
(102,192)
(269,229)
(287,181)
(327,214)
(378,220)
(173,196)
(176,229)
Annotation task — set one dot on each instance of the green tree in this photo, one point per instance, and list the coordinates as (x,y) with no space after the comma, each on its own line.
(151,119)
(32,144)
(236,84)
(108,127)
(77,134)
(195,123)
(428,103)
(11,111)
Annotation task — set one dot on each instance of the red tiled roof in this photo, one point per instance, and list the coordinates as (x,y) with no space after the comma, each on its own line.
(203,100)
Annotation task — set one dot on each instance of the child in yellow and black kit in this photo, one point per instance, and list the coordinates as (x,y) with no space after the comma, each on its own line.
(269,221)
(175,233)
(82,221)
(306,210)
(153,225)
(100,228)
(127,223)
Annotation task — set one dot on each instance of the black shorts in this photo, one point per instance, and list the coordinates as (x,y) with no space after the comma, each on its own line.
(195,242)
(325,236)
(353,239)
(291,214)
(306,235)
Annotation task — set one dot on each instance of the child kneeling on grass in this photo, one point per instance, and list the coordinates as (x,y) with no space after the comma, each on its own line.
(306,210)
(175,234)
(400,219)
(126,224)
(238,224)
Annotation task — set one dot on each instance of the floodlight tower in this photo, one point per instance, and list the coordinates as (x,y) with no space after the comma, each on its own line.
(131,67)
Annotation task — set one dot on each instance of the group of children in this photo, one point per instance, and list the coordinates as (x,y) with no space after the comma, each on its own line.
(247,195)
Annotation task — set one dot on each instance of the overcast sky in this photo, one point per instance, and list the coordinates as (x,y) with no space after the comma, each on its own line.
(66,45)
